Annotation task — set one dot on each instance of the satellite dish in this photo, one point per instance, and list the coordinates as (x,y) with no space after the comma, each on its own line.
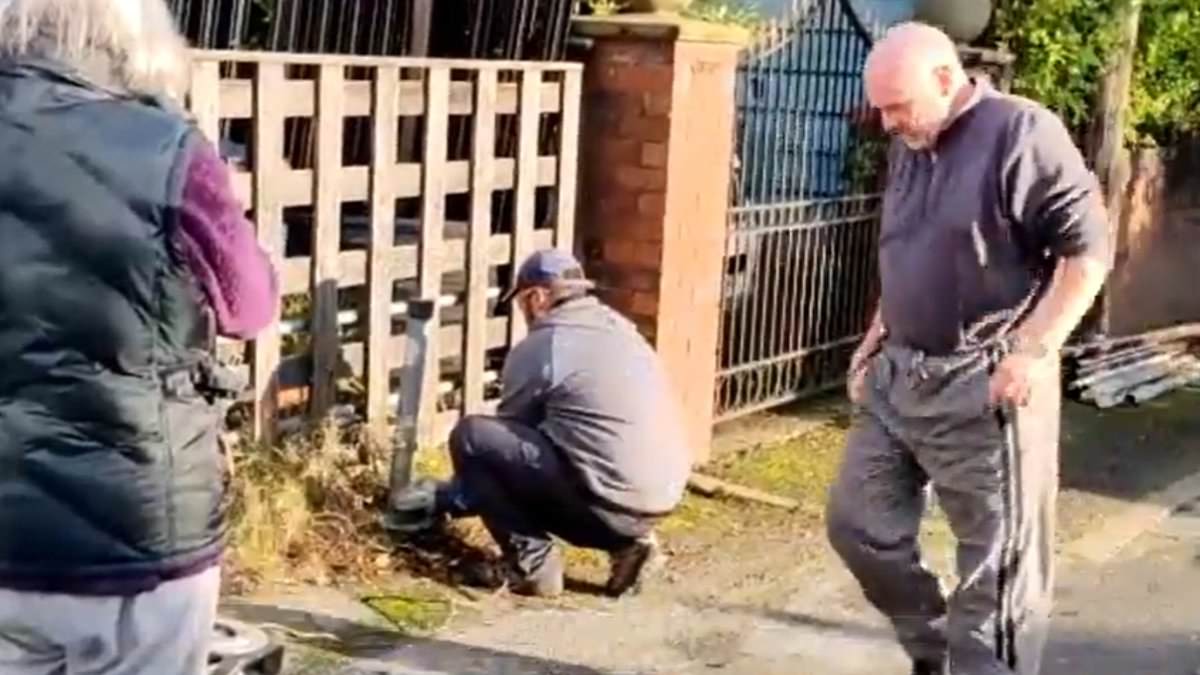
(883,13)
(963,20)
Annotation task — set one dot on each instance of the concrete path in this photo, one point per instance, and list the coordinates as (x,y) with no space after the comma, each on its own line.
(1136,614)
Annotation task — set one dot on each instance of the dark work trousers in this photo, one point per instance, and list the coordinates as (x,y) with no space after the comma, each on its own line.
(522,488)
(995,473)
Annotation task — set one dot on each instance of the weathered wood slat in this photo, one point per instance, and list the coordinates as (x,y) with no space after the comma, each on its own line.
(433,219)
(268,214)
(403,261)
(444,424)
(399,90)
(379,270)
(326,239)
(205,99)
(479,240)
(237,97)
(296,371)
(525,211)
(568,160)
(296,185)
(349,60)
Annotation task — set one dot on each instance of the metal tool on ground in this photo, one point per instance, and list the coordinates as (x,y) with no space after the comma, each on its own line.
(236,648)
(241,649)
(411,506)
(1134,369)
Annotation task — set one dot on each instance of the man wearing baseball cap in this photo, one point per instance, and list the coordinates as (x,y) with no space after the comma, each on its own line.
(587,444)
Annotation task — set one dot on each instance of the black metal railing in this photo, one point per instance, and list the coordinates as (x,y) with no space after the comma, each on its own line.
(804,217)
(526,30)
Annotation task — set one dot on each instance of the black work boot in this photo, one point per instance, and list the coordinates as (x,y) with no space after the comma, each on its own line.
(632,564)
(929,668)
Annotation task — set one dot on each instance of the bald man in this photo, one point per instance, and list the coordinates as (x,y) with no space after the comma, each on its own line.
(994,244)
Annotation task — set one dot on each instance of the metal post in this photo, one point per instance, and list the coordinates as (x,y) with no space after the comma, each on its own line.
(420,312)
(410,507)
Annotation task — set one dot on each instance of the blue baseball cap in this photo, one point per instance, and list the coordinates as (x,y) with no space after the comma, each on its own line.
(549,268)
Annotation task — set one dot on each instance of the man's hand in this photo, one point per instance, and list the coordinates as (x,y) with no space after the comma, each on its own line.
(1012,380)
(856,378)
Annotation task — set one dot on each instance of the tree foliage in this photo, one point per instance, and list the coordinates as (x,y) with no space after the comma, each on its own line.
(1064,48)
(1165,101)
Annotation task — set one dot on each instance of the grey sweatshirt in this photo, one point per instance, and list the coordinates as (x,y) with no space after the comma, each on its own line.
(588,380)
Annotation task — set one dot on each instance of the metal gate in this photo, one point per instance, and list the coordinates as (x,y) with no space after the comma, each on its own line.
(800,263)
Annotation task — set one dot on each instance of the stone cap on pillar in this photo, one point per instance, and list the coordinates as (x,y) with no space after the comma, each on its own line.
(659,27)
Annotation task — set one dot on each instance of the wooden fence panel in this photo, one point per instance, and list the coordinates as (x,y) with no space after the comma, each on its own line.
(355,228)
(568,159)
(326,239)
(479,238)
(379,272)
(268,217)
(433,222)
(526,203)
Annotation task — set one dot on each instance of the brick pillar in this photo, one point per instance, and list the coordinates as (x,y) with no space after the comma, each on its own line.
(656,144)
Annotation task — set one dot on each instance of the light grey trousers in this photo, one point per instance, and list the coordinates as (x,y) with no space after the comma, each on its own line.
(161,632)
(995,474)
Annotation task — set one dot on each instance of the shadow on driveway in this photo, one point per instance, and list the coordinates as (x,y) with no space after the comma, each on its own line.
(381,650)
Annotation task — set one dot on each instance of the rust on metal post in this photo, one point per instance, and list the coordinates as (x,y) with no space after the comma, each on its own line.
(379,272)
(326,240)
(479,237)
(433,221)
(268,215)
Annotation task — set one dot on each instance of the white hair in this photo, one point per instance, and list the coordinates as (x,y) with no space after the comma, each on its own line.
(130,44)
(917,45)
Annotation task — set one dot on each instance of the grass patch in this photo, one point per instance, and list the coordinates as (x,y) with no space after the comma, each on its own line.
(802,468)
(415,611)
(303,660)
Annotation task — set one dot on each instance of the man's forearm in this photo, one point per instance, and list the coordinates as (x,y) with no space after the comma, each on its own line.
(1076,283)
(873,337)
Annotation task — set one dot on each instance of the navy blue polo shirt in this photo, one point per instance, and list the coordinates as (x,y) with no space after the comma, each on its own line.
(973,227)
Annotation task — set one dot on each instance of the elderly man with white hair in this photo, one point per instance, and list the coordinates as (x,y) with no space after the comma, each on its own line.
(993,246)
(124,253)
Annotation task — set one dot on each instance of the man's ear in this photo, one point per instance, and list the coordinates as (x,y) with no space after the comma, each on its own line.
(945,80)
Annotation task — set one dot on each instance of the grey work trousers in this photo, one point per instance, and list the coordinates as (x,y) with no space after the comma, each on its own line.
(995,474)
(165,631)
(524,490)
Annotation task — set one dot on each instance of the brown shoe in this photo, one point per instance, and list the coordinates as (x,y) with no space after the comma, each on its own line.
(632,564)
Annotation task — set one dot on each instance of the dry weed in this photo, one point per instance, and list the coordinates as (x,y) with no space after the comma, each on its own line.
(308,511)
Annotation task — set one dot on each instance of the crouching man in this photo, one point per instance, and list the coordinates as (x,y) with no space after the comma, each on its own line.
(587,444)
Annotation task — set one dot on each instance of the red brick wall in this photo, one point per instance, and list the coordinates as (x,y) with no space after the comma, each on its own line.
(623,180)
(656,145)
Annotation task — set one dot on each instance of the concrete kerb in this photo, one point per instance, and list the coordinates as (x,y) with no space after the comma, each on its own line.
(1119,530)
